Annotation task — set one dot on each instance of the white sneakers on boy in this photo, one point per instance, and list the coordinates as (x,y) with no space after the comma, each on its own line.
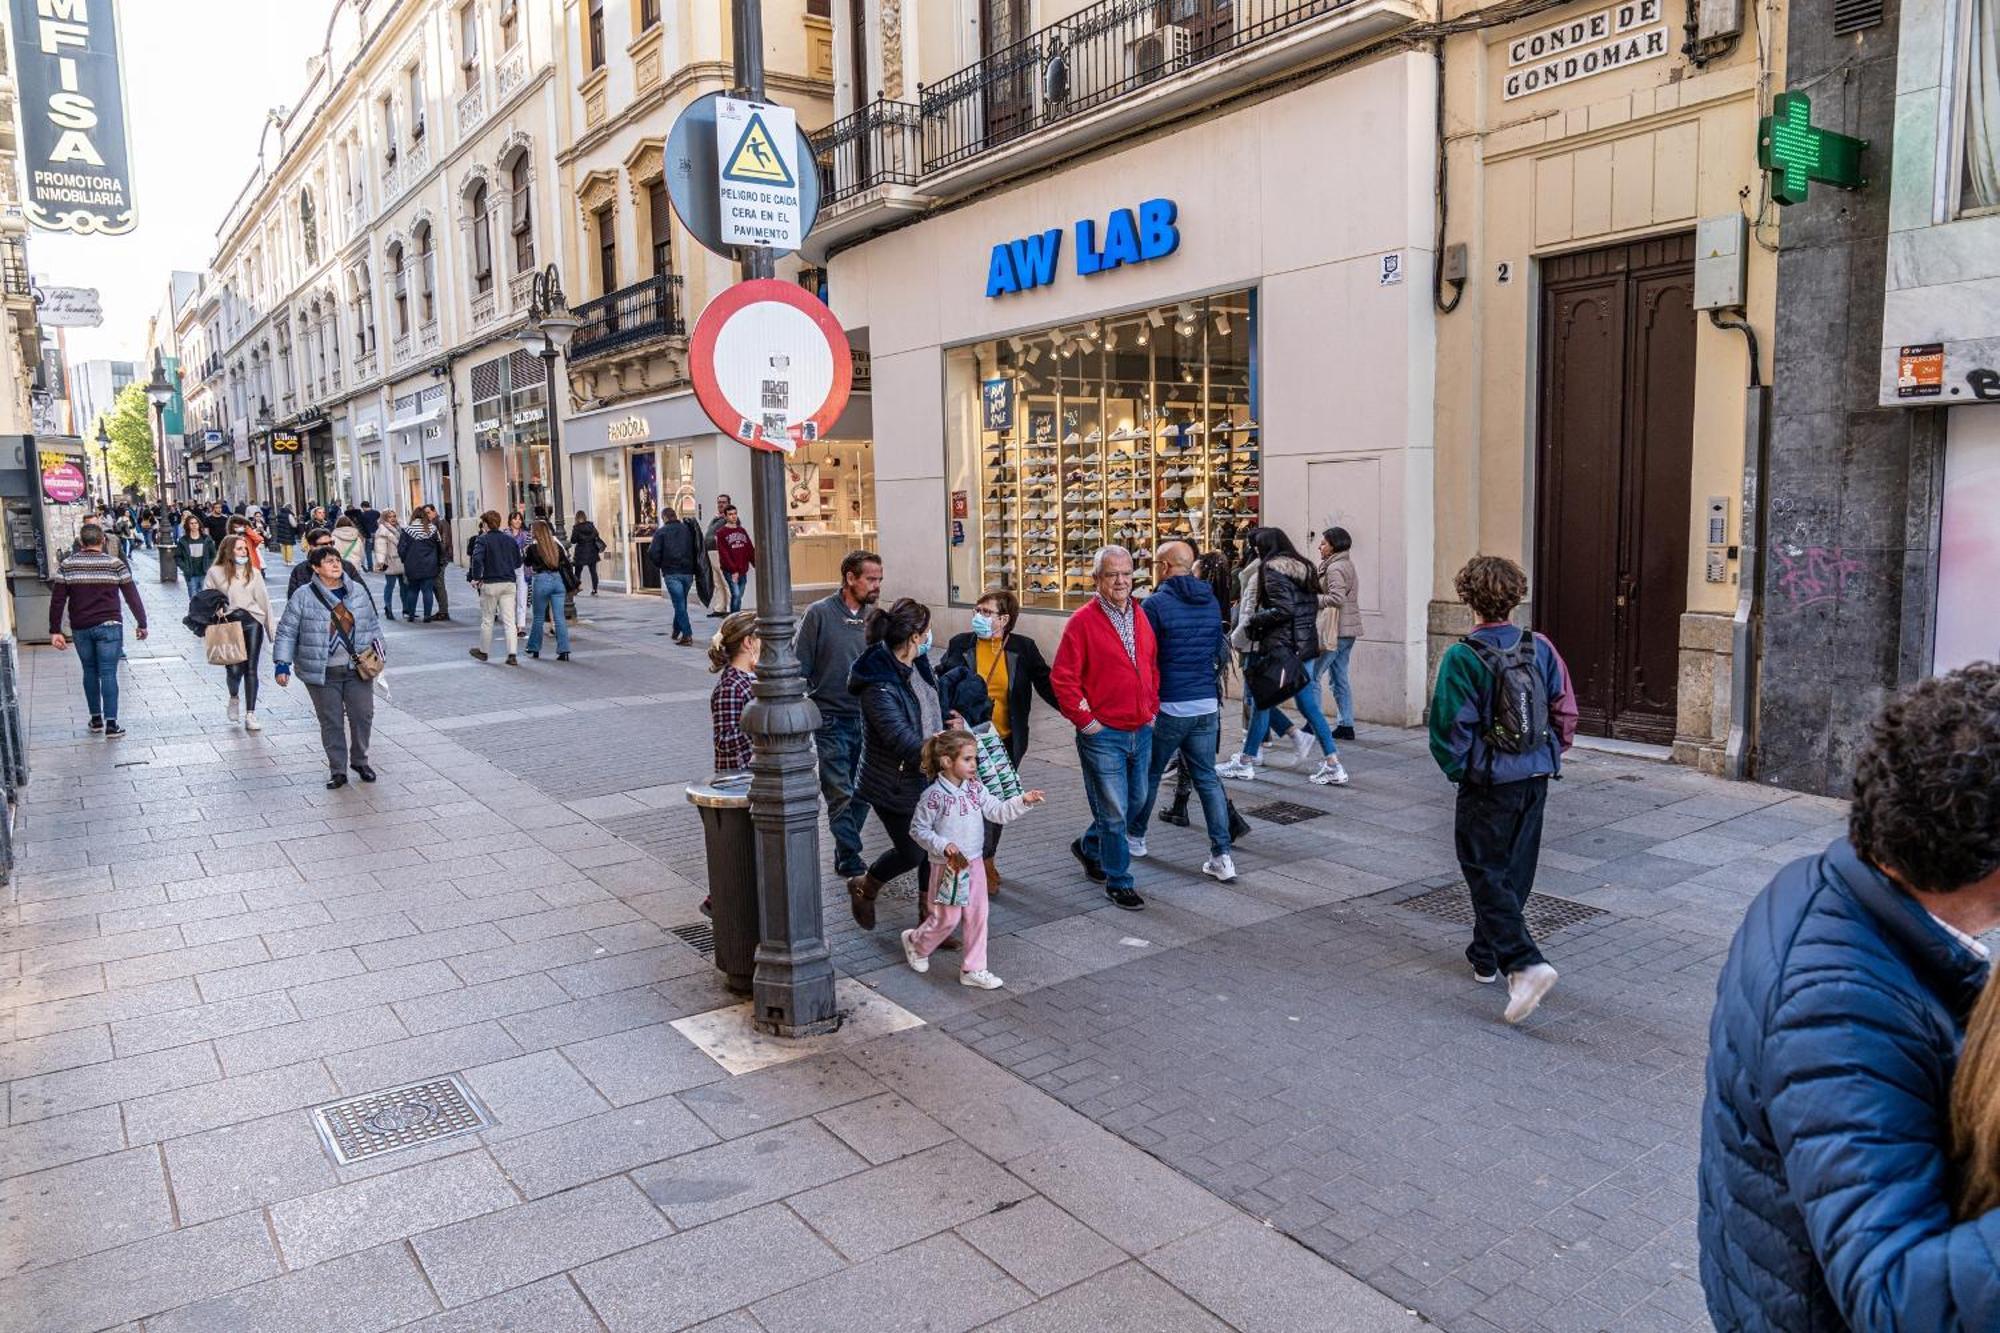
(235,709)
(1526,988)
(250,722)
(1219,867)
(1242,767)
(1137,846)
(980,980)
(917,962)
(1330,773)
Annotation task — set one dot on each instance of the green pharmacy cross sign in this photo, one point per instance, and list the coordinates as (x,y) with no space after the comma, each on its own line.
(1795,151)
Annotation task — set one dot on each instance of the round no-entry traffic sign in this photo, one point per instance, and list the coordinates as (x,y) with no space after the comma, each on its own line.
(771,365)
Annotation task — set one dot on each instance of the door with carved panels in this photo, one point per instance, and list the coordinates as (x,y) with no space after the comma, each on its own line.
(1614,460)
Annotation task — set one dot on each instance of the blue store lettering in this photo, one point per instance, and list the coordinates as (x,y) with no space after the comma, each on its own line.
(1130,237)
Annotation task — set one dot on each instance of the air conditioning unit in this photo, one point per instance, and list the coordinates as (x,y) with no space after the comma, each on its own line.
(1161,51)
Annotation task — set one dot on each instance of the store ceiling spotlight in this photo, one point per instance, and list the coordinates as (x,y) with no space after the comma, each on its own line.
(1015,343)
(1090,328)
(1222,322)
(1034,354)
(1111,339)
(1158,318)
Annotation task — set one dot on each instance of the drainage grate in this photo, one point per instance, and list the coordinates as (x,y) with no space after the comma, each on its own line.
(1285,812)
(362,1128)
(700,934)
(1545,914)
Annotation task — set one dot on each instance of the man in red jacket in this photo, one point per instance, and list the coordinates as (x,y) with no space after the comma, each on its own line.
(1107,681)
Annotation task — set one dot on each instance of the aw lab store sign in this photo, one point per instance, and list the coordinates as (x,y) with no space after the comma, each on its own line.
(1585,47)
(75,149)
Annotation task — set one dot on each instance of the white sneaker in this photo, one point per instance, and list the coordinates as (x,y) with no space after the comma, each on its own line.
(1219,867)
(917,962)
(1330,773)
(1240,767)
(250,722)
(1526,988)
(1137,846)
(981,980)
(1302,742)
(235,709)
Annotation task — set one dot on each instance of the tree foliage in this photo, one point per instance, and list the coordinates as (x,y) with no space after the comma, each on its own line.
(130,423)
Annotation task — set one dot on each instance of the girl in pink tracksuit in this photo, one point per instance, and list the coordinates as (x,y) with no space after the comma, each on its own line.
(951,816)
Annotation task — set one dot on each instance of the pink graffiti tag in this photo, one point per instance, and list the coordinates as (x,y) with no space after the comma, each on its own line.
(1815,574)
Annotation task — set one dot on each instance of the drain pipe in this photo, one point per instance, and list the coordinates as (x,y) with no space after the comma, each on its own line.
(1746,630)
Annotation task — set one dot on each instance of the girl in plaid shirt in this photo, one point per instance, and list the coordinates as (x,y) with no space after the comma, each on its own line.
(952,816)
(732,653)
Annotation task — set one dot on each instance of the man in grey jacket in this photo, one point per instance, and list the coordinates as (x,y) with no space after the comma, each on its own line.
(718,602)
(831,634)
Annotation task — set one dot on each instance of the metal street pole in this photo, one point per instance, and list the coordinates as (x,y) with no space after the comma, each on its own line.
(792,988)
(549,354)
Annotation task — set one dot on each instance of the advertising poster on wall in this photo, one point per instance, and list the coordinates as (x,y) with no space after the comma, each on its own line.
(1969,552)
(802,490)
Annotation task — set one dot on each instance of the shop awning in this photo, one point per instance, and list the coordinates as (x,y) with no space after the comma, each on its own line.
(415,421)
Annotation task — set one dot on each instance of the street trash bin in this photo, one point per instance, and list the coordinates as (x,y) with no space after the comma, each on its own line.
(731,841)
(170,570)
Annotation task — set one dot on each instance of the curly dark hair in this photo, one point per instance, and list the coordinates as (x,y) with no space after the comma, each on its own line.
(1927,786)
(1492,585)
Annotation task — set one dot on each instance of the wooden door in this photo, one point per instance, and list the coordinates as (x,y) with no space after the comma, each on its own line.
(1614,469)
(1010,69)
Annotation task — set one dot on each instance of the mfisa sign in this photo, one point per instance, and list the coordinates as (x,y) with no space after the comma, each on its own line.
(1130,237)
(73,115)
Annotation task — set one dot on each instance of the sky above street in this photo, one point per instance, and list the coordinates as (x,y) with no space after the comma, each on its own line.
(199,76)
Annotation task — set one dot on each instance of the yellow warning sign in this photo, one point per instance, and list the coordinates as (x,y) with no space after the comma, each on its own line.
(756,160)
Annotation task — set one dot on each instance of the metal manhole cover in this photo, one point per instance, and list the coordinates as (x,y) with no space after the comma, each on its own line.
(699,934)
(362,1128)
(1545,914)
(1284,812)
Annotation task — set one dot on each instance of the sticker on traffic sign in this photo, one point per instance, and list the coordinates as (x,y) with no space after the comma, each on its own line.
(758,174)
(771,365)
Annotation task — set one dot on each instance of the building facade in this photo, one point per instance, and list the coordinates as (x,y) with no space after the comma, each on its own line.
(1591,388)
(639,446)
(376,268)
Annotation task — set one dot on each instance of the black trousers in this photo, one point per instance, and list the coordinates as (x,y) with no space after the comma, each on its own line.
(580,569)
(903,855)
(1498,831)
(243,676)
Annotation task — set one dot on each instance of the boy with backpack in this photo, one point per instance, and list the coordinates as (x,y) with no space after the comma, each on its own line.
(1501,717)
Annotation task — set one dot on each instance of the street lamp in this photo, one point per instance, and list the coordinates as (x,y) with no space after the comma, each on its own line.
(104,453)
(159,392)
(263,426)
(550,326)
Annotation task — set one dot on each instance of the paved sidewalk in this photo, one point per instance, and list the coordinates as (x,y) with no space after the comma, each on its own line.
(200,943)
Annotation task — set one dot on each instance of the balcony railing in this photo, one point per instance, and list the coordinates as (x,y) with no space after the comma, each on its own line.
(520,288)
(364,366)
(639,313)
(484,306)
(1107,51)
(881,144)
(428,337)
(399,349)
(471,109)
(14,267)
(512,70)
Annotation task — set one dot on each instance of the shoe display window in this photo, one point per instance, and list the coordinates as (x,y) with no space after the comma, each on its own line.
(1129,430)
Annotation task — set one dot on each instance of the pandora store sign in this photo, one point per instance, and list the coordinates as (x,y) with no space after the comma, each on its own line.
(74,147)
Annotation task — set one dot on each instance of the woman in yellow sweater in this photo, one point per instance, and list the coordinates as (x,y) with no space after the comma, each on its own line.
(1014,670)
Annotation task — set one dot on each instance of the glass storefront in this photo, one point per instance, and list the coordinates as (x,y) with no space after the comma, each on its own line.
(830,506)
(510,431)
(1127,429)
(662,482)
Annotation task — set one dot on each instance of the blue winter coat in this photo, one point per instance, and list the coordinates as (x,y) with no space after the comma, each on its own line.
(305,630)
(1824,1177)
(1187,626)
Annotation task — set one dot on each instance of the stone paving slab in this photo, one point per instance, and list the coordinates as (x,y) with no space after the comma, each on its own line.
(1274,1105)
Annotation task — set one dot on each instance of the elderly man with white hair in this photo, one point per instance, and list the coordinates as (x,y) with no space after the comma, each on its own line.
(1107,682)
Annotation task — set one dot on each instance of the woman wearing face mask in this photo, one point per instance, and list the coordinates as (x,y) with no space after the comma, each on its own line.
(246,599)
(901,708)
(240,527)
(1012,666)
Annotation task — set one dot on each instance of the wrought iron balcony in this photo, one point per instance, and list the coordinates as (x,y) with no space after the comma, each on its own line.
(471,109)
(640,313)
(1106,55)
(881,144)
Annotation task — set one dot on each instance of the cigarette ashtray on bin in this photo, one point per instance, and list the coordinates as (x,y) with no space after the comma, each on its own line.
(724,802)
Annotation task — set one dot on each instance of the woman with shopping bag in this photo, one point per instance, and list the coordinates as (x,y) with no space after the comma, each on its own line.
(236,640)
(1014,671)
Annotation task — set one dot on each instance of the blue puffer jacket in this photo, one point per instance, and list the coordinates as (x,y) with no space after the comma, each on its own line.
(1824,1175)
(1187,626)
(307,626)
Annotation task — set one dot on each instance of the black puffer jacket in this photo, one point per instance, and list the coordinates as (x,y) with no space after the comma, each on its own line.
(1287,601)
(892,776)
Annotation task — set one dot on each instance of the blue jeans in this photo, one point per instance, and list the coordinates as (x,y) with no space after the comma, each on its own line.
(1115,766)
(1332,667)
(98,649)
(1194,739)
(735,582)
(547,594)
(392,592)
(838,743)
(677,586)
(421,590)
(1307,702)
